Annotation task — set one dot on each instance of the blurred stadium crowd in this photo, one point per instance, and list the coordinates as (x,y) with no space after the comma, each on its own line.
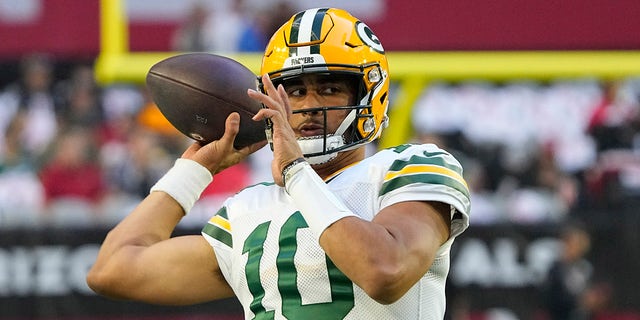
(539,152)
(73,153)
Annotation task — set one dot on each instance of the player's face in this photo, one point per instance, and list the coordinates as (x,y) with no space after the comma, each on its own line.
(313,91)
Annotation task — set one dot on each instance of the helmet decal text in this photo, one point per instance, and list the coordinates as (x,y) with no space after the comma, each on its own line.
(294,61)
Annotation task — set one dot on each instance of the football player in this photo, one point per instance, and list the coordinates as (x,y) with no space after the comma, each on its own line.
(337,234)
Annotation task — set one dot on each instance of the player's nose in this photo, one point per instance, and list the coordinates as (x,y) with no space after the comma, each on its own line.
(311,101)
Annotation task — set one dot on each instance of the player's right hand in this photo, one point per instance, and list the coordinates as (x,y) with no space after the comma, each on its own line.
(220,154)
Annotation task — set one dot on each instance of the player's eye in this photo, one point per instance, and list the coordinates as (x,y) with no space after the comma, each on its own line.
(296,91)
(330,90)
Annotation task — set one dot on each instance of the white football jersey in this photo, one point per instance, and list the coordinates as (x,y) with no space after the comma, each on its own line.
(278,271)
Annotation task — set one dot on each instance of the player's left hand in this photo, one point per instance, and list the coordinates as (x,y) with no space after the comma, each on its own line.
(278,109)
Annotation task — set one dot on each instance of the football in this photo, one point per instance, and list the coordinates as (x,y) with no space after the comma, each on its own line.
(197,91)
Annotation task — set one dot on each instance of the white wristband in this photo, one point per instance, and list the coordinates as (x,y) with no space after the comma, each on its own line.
(184,182)
(318,205)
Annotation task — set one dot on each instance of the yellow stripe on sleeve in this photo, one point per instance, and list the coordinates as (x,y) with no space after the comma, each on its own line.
(221,222)
(426,168)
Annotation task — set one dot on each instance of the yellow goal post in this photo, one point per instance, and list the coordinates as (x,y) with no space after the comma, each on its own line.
(411,71)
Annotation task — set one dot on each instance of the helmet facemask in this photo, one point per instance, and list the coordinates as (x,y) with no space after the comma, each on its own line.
(325,147)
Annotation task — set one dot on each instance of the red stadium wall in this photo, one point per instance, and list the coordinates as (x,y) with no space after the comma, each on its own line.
(510,25)
(65,28)
(70,28)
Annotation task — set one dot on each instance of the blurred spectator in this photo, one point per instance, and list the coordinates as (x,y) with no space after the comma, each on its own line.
(255,33)
(568,291)
(545,193)
(121,104)
(134,166)
(21,193)
(72,179)
(229,27)
(80,100)
(262,24)
(615,126)
(131,167)
(487,206)
(224,27)
(190,35)
(611,121)
(280,11)
(32,95)
(614,181)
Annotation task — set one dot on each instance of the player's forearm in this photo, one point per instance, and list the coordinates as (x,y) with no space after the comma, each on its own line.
(152,221)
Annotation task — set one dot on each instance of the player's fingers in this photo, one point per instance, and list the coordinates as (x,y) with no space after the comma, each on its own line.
(268,86)
(276,117)
(275,93)
(271,102)
(285,99)
(231,128)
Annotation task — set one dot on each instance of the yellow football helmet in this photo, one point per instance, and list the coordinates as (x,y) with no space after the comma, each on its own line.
(331,41)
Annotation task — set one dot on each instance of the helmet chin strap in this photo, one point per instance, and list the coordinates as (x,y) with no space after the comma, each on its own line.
(316,144)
